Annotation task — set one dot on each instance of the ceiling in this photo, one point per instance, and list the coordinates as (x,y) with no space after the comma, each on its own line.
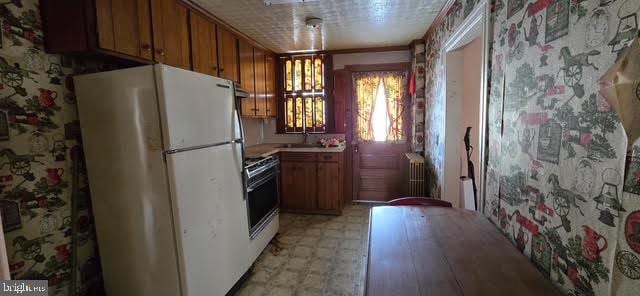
(346,23)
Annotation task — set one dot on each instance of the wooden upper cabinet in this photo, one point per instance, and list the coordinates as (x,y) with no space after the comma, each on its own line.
(171,33)
(120,28)
(228,55)
(204,51)
(124,26)
(260,82)
(270,81)
(247,78)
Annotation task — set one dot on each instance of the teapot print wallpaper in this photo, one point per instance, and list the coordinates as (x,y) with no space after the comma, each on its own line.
(44,194)
(562,183)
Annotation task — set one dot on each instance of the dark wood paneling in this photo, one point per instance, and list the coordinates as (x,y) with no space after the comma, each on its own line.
(340,95)
(171,33)
(194,6)
(63,25)
(247,78)
(228,54)
(131,34)
(270,77)
(379,161)
(298,156)
(260,82)
(329,185)
(299,185)
(204,51)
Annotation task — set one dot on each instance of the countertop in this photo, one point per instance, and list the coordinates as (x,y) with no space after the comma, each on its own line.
(263,150)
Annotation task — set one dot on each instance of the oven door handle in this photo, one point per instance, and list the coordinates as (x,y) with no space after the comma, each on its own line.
(258,183)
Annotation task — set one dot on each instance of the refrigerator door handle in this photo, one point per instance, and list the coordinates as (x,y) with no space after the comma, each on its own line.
(244,173)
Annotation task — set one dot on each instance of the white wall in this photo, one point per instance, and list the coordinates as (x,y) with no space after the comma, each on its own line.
(367,58)
(463,82)
(471,90)
(453,127)
(253,131)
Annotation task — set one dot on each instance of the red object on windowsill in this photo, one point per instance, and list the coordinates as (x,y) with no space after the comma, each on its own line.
(419,201)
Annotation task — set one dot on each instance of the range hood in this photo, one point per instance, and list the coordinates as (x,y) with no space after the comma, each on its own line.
(240,93)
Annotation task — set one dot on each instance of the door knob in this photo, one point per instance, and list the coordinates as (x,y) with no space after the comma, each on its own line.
(221,69)
(160,52)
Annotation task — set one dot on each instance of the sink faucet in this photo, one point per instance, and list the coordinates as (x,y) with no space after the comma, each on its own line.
(306,135)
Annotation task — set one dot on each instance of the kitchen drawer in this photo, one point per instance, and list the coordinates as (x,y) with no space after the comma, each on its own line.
(332,157)
(298,156)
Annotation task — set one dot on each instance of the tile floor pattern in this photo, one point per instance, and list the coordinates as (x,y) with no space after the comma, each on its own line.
(319,255)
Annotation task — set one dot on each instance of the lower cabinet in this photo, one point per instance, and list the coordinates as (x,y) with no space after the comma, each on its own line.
(312,182)
(297,181)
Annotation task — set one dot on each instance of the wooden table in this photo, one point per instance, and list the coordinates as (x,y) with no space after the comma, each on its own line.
(445,251)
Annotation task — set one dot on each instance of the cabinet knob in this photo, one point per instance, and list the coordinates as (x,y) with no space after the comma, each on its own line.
(215,68)
(146,47)
(160,52)
(221,69)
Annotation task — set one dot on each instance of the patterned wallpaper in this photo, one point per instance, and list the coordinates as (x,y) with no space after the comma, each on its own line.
(562,183)
(417,96)
(41,162)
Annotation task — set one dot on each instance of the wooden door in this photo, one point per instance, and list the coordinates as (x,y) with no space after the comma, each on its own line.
(228,55)
(260,82)
(171,33)
(247,78)
(270,80)
(124,26)
(204,53)
(376,166)
(329,179)
(298,182)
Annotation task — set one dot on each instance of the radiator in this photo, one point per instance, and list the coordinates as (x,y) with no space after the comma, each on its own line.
(414,174)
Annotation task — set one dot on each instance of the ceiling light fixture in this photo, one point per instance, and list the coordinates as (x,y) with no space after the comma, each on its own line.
(313,22)
(272,2)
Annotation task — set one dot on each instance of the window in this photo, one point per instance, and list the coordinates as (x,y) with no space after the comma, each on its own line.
(380,106)
(304,94)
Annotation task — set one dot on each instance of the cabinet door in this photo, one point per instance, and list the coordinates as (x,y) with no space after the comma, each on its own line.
(203,44)
(329,186)
(298,182)
(228,55)
(247,78)
(270,81)
(124,26)
(171,33)
(261,89)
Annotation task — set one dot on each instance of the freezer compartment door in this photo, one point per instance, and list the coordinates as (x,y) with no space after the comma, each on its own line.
(196,109)
(211,218)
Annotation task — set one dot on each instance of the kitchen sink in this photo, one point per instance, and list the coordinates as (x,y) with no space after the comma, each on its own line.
(300,145)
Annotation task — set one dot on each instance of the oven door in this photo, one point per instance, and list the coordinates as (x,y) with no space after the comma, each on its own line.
(262,199)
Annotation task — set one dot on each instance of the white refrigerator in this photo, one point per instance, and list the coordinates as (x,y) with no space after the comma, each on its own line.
(164,156)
